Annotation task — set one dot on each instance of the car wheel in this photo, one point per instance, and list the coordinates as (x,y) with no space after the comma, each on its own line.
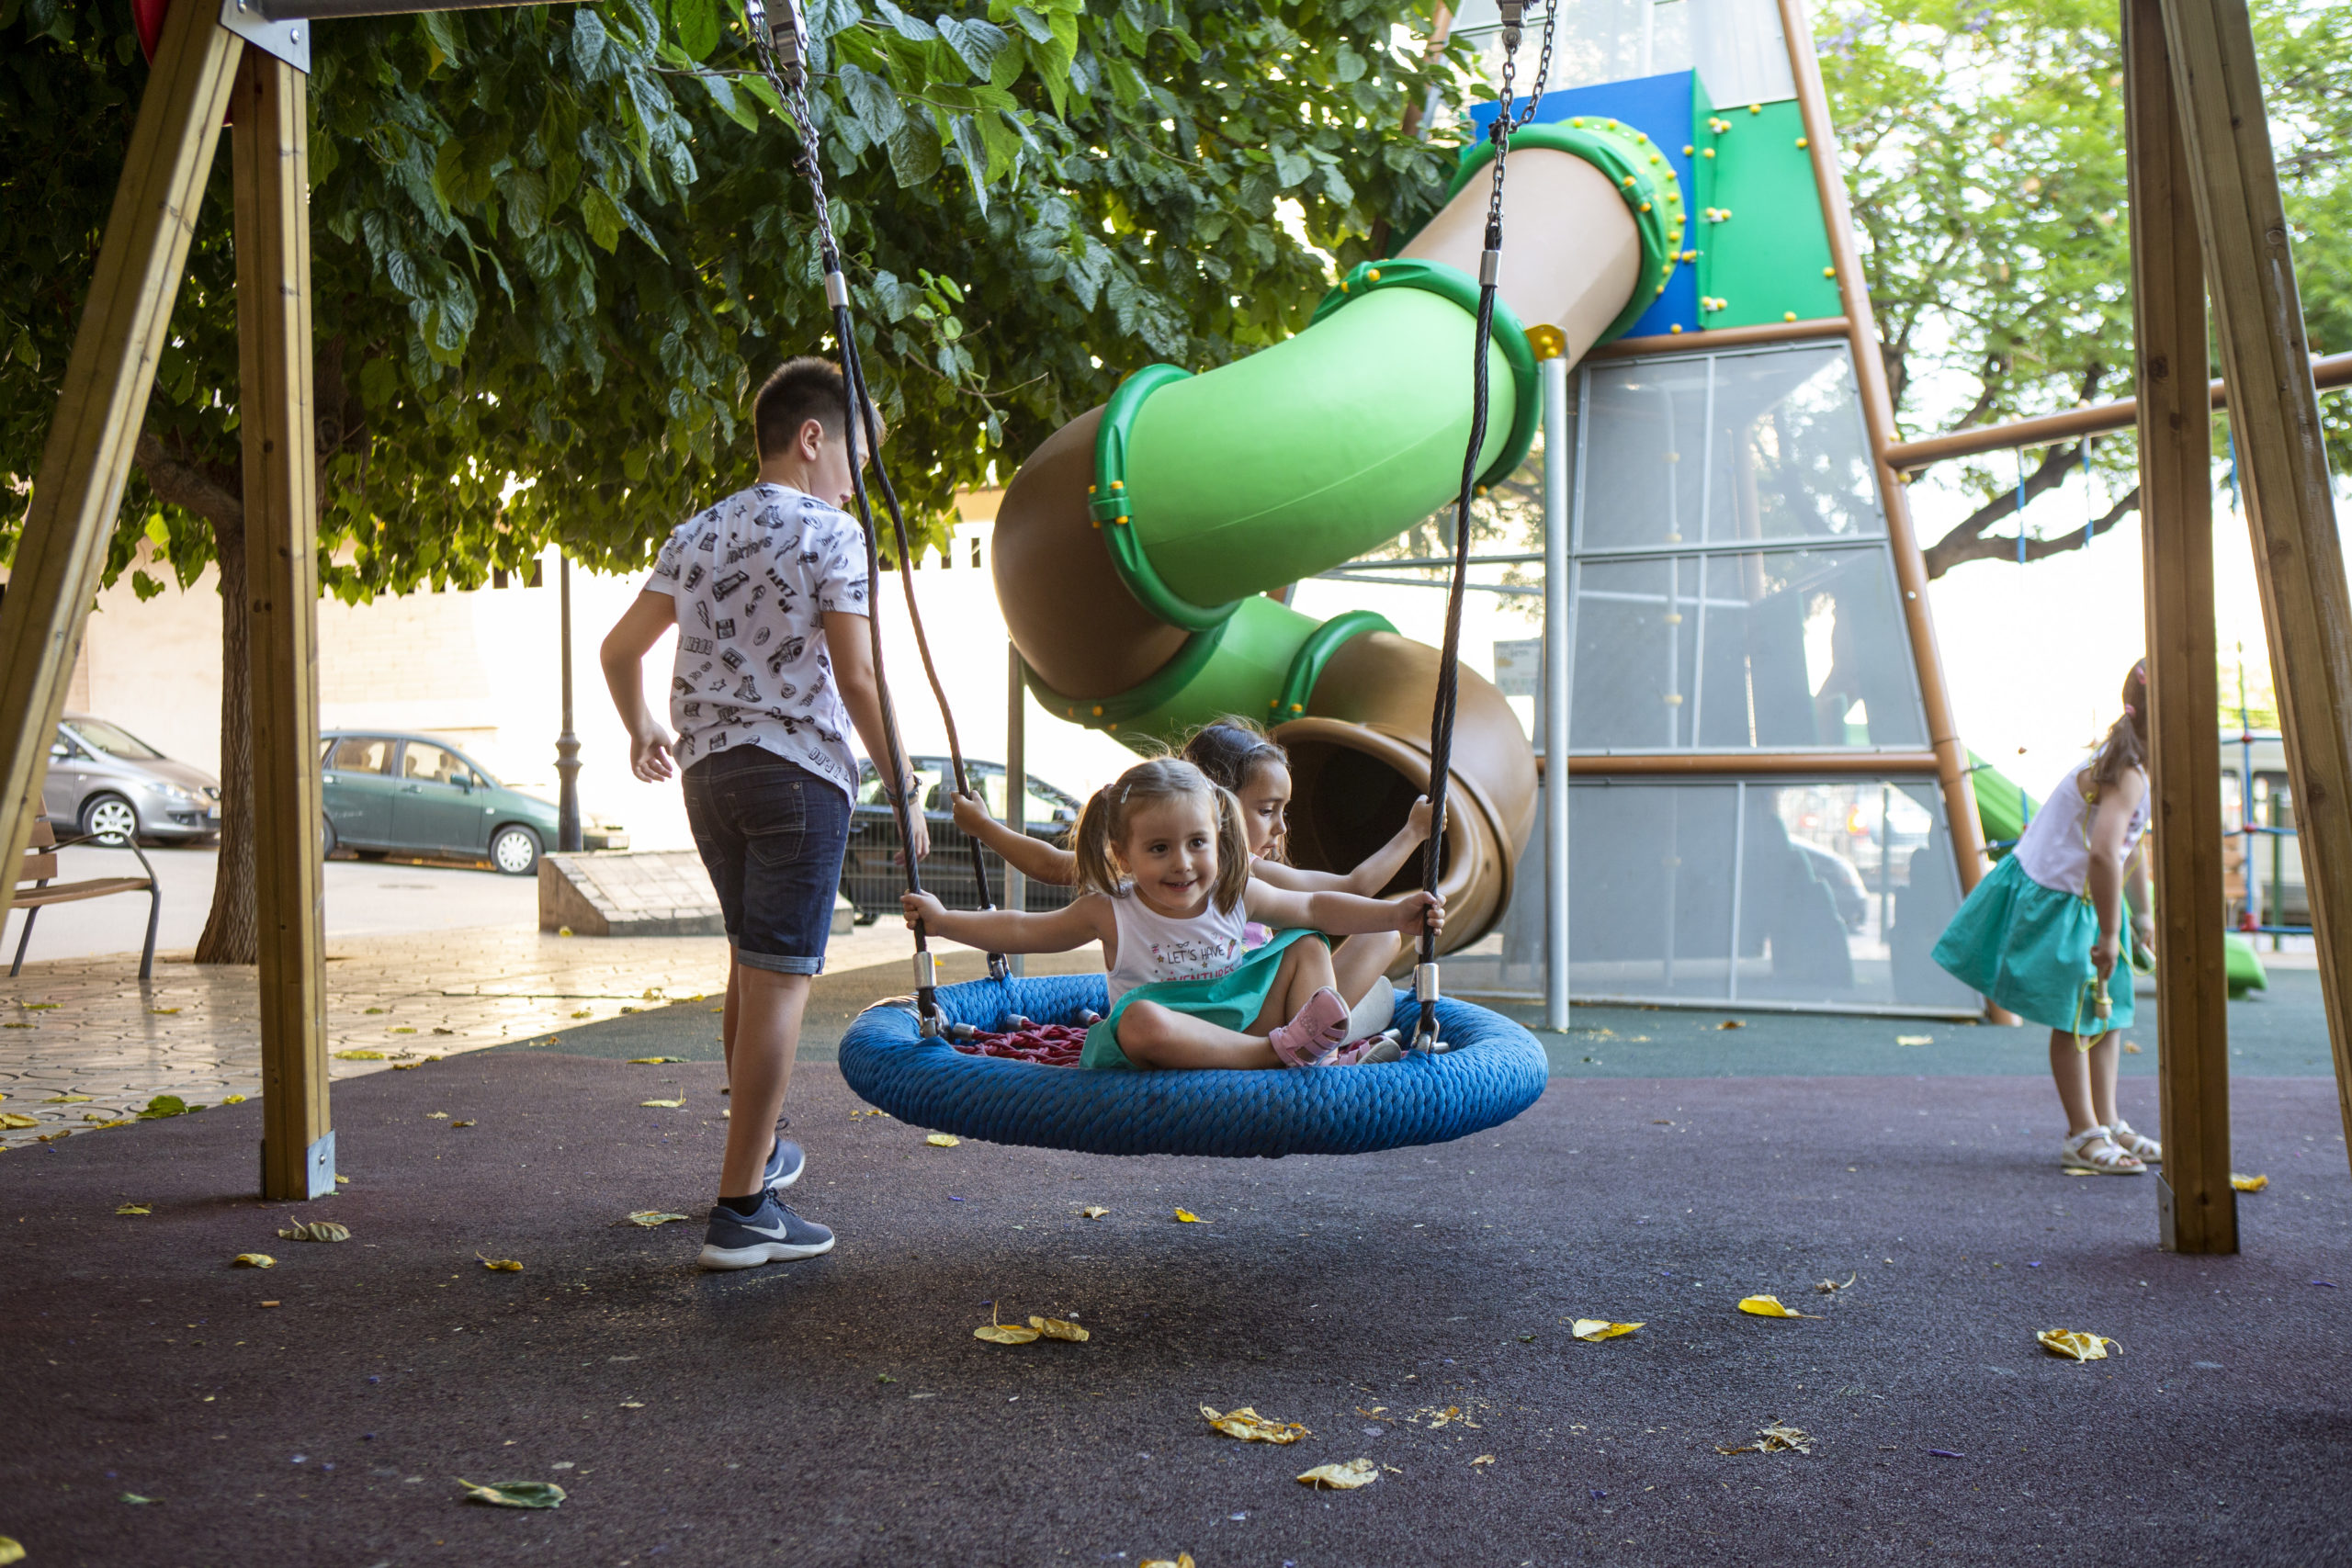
(327,844)
(514,851)
(110,818)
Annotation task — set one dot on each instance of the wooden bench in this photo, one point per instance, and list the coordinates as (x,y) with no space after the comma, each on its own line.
(37,888)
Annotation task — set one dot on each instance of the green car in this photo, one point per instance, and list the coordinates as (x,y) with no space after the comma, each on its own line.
(411,794)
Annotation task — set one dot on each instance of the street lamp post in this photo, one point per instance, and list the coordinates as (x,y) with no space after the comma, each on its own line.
(567,745)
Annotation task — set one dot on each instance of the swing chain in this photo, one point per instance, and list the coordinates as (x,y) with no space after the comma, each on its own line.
(1509,117)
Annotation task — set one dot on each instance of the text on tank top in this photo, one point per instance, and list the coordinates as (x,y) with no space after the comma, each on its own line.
(2055,848)
(1153,947)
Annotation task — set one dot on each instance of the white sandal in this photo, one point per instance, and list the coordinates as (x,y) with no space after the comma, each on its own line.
(2096,1153)
(2138,1144)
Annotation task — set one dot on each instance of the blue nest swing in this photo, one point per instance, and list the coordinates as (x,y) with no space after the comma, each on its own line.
(1495,1071)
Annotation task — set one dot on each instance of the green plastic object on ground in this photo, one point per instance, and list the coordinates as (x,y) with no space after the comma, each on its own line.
(2003,808)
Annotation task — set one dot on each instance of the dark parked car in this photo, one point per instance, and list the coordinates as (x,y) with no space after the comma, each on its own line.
(110,786)
(871,876)
(411,794)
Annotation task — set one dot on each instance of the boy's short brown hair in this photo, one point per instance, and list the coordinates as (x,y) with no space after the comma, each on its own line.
(802,389)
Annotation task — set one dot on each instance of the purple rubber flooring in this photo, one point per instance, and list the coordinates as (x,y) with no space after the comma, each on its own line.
(839,1411)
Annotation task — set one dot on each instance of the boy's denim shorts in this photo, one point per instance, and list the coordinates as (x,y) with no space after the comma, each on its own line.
(771,835)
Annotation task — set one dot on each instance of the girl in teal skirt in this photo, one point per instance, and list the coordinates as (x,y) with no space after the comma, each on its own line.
(2040,935)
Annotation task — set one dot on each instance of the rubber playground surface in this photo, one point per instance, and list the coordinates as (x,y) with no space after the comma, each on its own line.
(1413,1309)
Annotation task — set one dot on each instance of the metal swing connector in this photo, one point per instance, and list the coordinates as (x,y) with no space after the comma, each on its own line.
(926,994)
(1425,992)
(788,31)
(1513,13)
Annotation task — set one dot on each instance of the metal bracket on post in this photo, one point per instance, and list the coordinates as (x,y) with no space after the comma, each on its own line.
(288,41)
(317,1166)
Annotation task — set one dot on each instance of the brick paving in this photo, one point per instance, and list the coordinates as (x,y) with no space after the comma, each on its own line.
(86,1026)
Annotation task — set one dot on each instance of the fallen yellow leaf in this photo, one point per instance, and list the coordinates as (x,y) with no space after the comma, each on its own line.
(661,1104)
(2129,1049)
(1342,1477)
(358,1056)
(943,1140)
(1482,1459)
(316,1230)
(253,1260)
(2076,1344)
(1190,1218)
(1060,1328)
(232,1100)
(649,1061)
(501,1265)
(1093,1212)
(97,1121)
(1004,1333)
(1778,1438)
(1182,1560)
(1593,1330)
(436,1116)
(1915,1040)
(1251,1427)
(1770,1306)
(166,1011)
(650,1218)
(12,1550)
(134,1209)
(454,1125)
(2248,1183)
(1733,1023)
(69,1100)
(14,1121)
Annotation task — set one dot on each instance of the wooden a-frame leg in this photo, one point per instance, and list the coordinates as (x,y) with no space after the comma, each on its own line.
(268,149)
(2282,462)
(87,458)
(2197,1208)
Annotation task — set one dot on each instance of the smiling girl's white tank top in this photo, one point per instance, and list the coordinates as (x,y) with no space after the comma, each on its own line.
(1153,948)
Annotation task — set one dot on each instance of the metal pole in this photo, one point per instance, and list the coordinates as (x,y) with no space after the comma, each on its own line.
(1553,688)
(1016,783)
(567,745)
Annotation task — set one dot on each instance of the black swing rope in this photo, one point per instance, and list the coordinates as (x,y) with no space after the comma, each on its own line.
(1425,970)
(781,49)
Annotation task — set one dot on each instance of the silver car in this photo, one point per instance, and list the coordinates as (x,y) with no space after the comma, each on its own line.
(112,786)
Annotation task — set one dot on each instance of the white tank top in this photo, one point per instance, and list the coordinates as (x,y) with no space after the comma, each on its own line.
(2055,849)
(1153,947)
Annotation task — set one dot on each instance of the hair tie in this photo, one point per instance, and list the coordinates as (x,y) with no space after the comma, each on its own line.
(2131,711)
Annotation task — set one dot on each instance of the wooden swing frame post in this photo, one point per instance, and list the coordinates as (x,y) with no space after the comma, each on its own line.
(2282,465)
(2197,1208)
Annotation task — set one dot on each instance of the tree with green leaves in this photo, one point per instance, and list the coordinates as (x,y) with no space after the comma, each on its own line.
(1983,148)
(555,247)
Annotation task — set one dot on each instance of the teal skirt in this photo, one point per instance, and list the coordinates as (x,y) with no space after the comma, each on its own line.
(1233,1000)
(2028,948)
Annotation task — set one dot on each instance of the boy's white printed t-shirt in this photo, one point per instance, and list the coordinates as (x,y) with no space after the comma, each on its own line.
(752,578)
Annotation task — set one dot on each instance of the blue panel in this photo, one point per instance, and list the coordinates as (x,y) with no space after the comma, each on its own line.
(1665,108)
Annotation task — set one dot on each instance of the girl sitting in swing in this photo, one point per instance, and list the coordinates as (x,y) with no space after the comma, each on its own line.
(1164,861)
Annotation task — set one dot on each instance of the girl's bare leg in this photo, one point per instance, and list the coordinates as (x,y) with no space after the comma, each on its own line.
(1362,960)
(2072,1073)
(1151,1036)
(2106,1057)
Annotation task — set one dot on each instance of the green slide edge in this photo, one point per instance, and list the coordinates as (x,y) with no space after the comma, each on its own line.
(1306,666)
(1111,507)
(1109,713)
(1644,179)
(1508,334)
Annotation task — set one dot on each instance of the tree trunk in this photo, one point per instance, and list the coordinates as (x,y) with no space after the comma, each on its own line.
(232,930)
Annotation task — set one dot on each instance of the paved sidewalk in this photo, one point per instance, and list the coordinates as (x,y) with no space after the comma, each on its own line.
(85,1027)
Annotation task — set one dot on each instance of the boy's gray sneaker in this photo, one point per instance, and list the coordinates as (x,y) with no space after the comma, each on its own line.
(786,1162)
(773,1235)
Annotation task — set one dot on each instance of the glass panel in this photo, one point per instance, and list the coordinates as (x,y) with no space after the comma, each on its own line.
(1735,447)
(1736,44)
(1797,649)
(115,741)
(1650,889)
(430,763)
(1786,650)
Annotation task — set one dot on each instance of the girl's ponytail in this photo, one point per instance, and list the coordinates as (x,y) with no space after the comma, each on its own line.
(2126,746)
(1232,851)
(1091,842)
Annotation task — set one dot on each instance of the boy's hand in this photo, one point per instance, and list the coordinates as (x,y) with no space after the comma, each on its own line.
(1418,819)
(971,813)
(648,755)
(1411,909)
(921,906)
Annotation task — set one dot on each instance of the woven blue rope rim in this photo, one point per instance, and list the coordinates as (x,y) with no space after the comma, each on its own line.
(1495,1071)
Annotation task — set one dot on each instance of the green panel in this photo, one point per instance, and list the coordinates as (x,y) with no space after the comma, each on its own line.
(2002,806)
(1273,468)
(1769,260)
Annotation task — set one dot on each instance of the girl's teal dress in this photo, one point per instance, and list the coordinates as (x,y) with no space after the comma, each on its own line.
(2023,938)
